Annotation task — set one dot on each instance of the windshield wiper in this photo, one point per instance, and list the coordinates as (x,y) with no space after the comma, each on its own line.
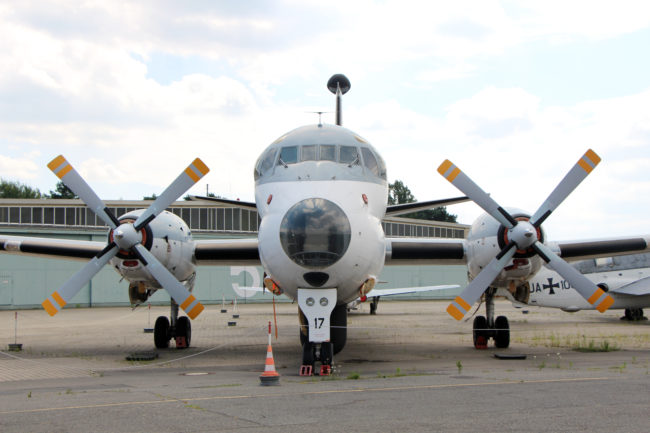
(355,161)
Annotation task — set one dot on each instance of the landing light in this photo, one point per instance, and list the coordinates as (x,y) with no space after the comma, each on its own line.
(367,286)
(310,301)
(323,302)
(272,287)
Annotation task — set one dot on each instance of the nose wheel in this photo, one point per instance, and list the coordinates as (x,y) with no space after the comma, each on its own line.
(312,352)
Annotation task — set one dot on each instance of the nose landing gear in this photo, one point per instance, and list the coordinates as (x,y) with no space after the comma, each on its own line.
(323,329)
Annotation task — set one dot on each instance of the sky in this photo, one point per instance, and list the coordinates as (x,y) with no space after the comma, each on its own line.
(512,92)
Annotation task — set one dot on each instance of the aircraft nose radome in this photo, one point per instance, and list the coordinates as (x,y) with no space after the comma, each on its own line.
(315,233)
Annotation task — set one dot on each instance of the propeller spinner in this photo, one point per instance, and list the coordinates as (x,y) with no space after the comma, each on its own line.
(524,235)
(126,236)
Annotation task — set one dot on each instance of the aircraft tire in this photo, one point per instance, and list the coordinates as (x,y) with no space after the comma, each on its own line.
(161,335)
(184,329)
(338,327)
(502,334)
(479,332)
(308,353)
(326,355)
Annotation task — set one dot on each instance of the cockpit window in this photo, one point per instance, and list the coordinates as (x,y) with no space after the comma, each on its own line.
(382,166)
(309,153)
(267,162)
(349,155)
(288,155)
(327,152)
(370,161)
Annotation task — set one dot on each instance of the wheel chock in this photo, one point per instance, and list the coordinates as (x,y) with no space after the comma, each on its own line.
(306,370)
(481,343)
(181,343)
(325,370)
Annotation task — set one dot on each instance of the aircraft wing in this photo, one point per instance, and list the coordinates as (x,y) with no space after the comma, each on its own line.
(242,204)
(638,288)
(426,251)
(591,249)
(226,252)
(50,247)
(436,251)
(405,290)
(404,208)
(220,252)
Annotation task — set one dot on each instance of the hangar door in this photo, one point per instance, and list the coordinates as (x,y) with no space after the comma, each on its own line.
(6,289)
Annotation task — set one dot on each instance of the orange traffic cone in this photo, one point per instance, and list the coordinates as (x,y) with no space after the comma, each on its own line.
(270,376)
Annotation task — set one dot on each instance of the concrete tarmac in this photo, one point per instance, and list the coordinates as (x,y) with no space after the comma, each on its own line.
(409,368)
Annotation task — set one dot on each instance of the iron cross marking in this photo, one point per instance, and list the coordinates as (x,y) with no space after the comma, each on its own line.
(550,286)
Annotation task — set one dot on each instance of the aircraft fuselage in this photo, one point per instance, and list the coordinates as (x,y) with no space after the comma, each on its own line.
(321,193)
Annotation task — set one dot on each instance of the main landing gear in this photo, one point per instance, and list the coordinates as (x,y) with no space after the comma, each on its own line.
(373,305)
(180,329)
(485,328)
(634,314)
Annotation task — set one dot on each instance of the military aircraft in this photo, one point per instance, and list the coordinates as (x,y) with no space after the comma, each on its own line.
(321,193)
(625,278)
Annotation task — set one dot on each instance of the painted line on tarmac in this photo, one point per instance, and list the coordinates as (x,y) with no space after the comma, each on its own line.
(293,394)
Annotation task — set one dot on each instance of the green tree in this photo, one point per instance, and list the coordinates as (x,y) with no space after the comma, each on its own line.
(150,197)
(62,191)
(16,189)
(399,193)
(435,214)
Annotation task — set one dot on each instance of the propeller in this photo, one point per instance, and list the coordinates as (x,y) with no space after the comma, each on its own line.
(524,235)
(126,237)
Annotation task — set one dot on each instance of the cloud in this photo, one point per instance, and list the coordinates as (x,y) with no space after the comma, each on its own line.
(22,168)
(494,113)
(78,79)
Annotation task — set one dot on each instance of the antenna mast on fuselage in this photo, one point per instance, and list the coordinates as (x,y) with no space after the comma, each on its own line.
(339,85)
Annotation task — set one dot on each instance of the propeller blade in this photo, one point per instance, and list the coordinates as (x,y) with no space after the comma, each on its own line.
(467,186)
(176,290)
(463,302)
(192,174)
(64,170)
(590,291)
(61,297)
(577,174)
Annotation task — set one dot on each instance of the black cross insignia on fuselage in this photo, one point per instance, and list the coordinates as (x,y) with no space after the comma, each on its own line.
(550,286)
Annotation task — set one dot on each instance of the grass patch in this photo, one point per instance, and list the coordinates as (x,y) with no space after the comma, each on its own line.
(605,346)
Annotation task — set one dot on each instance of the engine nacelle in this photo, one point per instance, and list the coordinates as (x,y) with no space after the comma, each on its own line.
(483,244)
(169,239)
